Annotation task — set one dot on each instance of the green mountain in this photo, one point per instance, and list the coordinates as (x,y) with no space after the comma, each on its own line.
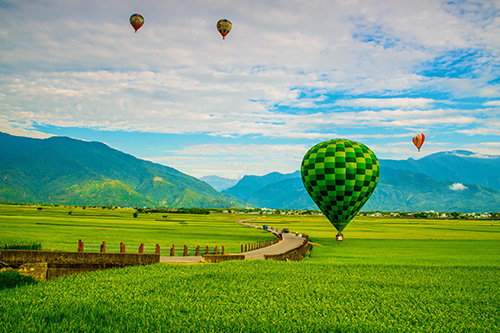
(458,166)
(65,171)
(400,187)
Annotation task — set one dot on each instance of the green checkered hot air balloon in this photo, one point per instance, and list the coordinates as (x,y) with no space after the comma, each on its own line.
(340,176)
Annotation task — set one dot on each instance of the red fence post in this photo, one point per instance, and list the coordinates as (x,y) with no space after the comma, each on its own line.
(198,250)
(103,247)
(172,250)
(141,248)
(122,247)
(241,248)
(185,251)
(215,251)
(246,247)
(223,249)
(80,245)
(206,252)
(157,249)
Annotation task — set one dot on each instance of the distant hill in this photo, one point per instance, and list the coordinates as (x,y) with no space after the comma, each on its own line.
(248,185)
(409,185)
(65,171)
(459,166)
(219,183)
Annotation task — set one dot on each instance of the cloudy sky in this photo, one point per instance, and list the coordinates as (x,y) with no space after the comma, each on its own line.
(289,75)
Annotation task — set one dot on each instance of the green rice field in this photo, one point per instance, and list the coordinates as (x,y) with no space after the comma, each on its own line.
(388,275)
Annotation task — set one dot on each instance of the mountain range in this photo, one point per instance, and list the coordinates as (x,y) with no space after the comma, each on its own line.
(446,181)
(65,171)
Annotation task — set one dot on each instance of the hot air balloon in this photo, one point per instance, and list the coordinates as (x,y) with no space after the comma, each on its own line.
(136,20)
(418,140)
(340,175)
(224,26)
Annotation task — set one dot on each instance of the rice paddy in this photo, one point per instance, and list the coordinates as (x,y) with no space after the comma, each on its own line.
(389,275)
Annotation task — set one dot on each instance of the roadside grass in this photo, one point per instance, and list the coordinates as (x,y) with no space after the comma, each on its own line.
(388,275)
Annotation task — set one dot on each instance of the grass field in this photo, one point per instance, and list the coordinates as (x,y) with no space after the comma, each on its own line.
(95,225)
(389,275)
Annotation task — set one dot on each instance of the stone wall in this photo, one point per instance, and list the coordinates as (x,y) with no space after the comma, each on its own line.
(293,255)
(215,258)
(67,263)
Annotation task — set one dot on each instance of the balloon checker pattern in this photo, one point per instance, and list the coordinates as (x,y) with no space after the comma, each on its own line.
(340,176)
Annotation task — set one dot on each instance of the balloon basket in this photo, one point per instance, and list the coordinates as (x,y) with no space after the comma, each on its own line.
(339,237)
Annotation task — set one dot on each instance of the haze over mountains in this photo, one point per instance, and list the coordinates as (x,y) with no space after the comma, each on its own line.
(66,171)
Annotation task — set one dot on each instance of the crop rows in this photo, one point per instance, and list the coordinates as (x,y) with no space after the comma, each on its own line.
(261,297)
(387,276)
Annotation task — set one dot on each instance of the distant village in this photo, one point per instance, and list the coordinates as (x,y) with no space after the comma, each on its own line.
(418,215)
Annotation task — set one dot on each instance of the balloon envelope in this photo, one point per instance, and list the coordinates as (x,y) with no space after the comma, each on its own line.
(224,26)
(418,140)
(340,175)
(136,20)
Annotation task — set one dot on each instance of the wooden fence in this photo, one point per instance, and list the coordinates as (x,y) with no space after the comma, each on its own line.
(256,246)
(106,248)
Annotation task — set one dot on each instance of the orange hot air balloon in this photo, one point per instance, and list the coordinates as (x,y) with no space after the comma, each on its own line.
(136,20)
(418,140)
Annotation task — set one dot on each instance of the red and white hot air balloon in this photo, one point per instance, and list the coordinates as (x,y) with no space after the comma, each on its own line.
(418,140)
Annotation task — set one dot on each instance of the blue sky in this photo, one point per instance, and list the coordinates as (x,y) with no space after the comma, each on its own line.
(289,75)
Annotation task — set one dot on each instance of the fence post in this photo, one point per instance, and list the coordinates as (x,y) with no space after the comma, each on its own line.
(246,247)
(157,249)
(185,251)
(172,250)
(80,245)
(198,250)
(103,247)
(206,251)
(215,250)
(241,248)
(141,248)
(223,249)
(122,247)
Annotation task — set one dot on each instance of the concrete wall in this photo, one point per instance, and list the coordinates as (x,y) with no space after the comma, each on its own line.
(294,255)
(215,258)
(67,263)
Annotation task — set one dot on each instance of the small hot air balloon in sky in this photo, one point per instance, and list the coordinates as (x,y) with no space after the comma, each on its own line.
(418,140)
(224,26)
(136,20)
(340,175)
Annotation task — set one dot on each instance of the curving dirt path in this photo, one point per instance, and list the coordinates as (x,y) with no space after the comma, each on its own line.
(289,242)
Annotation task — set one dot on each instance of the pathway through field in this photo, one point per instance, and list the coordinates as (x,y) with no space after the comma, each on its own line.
(289,242)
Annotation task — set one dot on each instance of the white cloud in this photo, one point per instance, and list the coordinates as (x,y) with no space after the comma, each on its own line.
(405,103)
(492,103)
(457,187)
(233,160)
(293,70)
